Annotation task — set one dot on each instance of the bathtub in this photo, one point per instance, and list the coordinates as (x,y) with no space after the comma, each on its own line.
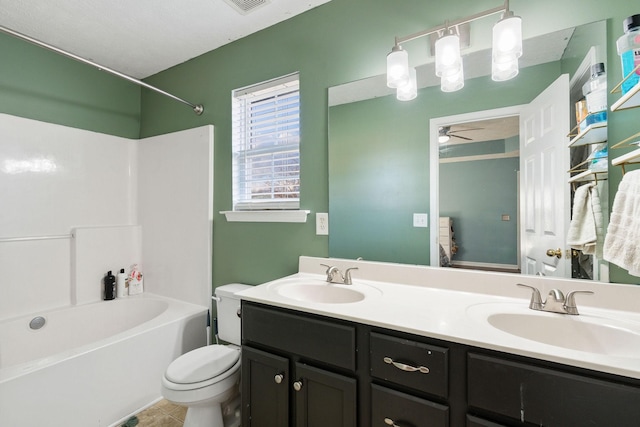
(94,364)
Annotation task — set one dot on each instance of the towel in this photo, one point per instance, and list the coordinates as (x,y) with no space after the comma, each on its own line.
(622,242)
(586,220)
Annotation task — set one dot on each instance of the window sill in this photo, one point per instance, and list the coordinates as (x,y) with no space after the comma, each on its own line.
(267,216)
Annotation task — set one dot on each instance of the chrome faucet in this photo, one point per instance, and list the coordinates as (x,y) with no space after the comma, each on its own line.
(334,275)
(556,302)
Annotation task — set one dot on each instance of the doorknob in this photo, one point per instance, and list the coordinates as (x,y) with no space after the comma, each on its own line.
(555,252)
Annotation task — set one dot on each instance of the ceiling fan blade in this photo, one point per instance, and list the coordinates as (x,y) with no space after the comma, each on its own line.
(466,130)
(461,137)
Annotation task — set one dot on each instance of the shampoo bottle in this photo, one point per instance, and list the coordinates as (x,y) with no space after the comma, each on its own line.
(121,284)
(109,286)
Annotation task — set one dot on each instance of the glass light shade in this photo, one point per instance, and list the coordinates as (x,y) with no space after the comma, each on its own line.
(409,90)
(448,60)
(397,67)
(504,68)
(452,82)
(507,36)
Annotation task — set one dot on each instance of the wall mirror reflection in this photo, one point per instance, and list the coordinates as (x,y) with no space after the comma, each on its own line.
(386,164)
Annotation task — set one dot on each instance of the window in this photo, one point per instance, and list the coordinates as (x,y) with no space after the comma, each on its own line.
(266,145)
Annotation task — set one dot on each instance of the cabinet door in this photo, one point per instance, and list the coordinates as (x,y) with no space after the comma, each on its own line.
(265,389)
(323,398)
(549,397)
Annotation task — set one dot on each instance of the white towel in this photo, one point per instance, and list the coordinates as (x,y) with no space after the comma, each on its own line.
(596,207)
(583,234)
(622,241)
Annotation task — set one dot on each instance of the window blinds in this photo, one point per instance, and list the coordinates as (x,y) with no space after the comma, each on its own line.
(266,145)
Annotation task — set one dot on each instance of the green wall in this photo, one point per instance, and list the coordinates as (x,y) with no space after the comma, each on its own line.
(38,84)
(475,195)
(341,41)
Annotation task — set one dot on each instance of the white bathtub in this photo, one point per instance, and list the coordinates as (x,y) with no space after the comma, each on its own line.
(95,364)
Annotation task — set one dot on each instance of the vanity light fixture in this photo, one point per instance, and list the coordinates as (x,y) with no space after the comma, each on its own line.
(506,49)
(397,67)
(408,90)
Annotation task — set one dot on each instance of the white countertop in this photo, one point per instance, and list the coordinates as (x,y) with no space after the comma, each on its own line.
(453,305)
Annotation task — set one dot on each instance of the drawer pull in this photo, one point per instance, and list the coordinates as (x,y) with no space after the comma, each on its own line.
(405,367)
(390,422)
(297,386)
(278,378)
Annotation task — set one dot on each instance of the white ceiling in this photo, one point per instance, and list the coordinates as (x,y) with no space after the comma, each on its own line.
(142,37)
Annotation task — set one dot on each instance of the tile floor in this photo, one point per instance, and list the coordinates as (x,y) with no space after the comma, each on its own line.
(162,414)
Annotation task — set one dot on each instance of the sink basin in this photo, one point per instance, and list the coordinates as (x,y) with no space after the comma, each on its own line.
(593,334)
(319,291)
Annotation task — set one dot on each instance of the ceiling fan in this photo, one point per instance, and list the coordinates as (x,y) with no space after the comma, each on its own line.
(445,133)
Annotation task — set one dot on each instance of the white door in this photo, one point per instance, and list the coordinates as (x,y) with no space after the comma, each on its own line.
(544,161)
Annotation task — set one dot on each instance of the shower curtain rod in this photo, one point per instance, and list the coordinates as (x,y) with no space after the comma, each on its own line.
(198,109)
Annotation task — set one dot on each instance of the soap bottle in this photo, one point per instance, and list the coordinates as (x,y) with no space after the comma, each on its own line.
(109,286)
(629,50)
(595,90)
(135,281)
(121,284)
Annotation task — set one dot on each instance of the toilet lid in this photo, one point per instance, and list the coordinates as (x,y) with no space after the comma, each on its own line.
(202,364)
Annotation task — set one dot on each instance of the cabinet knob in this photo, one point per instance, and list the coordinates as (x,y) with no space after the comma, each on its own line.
(297,386)
(390,422)
(278,378)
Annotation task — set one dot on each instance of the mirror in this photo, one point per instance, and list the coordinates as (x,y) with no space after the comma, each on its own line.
(379,150)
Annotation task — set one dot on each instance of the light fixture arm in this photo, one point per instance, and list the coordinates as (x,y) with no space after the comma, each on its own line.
(446,25)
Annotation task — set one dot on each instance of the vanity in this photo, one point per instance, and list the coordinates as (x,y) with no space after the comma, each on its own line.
(415,346)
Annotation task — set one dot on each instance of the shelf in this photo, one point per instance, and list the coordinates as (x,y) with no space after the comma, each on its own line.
(589,176)
(631,157)
(267,216)
(593,134)
(630,99)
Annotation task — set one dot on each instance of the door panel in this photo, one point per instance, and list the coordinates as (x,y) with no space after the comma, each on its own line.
(324,398)
(544,161)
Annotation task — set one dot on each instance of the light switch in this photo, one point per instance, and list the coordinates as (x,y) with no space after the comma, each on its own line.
(420,220)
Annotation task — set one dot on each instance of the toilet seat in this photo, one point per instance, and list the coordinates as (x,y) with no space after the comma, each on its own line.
(202,364)
(202,367)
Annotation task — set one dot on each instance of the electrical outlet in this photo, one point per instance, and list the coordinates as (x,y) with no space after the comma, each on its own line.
(420,220)
(322,224)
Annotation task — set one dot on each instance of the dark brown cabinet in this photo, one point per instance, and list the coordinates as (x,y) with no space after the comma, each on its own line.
(543,396)
(297,370)
(306,370)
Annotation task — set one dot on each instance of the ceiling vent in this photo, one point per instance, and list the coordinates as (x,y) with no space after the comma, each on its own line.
(246,6)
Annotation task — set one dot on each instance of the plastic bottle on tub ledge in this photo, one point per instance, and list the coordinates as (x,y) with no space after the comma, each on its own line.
(121,284)
(135,281)
(109,286)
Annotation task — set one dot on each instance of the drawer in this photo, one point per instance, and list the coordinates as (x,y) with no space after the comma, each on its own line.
(309,337)
(545,396)
(409,354)
(405,410)
(479,422)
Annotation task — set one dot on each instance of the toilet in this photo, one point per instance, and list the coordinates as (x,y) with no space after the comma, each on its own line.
(207,380)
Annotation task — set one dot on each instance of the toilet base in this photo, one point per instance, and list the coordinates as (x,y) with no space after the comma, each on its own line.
(209,415)
(226,414)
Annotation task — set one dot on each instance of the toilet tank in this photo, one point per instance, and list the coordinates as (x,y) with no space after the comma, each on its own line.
(227,305)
